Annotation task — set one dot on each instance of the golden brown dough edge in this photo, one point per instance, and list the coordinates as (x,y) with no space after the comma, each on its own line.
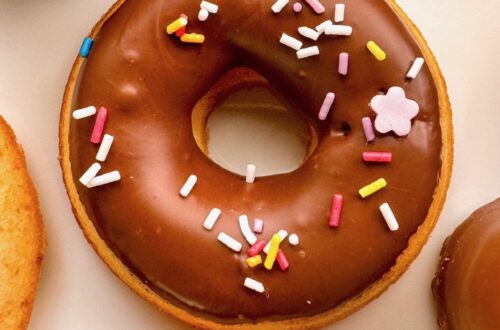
(415,243)
(22,235)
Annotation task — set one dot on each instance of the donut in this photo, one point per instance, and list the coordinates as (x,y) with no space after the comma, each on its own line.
(22,236)
(466,284)
(176,227)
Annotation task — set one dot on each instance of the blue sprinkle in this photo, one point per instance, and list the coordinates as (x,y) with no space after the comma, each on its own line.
(86,47)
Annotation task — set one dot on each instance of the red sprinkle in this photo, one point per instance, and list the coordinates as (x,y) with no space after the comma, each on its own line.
(256,248)
(100,121)
(338,201)
(377,157)
(282,260)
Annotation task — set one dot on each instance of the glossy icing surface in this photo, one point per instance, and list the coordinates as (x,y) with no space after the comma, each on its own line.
(466,286)
(150,83)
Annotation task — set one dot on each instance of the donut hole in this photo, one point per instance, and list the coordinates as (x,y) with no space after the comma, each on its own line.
(242,120)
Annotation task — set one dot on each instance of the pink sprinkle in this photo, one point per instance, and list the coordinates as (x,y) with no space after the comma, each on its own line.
(368,128)
(258,226)
(297,7)
(316,6)
(282,260)
(377,157)
(100,121)
(344,63)
(338,201)
(327,105)
(256,248)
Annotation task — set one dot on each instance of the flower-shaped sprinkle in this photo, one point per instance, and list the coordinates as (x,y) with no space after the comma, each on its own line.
(394,112)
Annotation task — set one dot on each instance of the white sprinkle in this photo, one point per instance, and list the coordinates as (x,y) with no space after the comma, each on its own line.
(321,28)
(103,152)
(282,233)
(254,285)
(251,171)
(229,242)
(308,52)
(338,30)
(212,8)
(389,217)
(415,68)
(309,33)
(90,173)
(279,5)
(339,12)
(258,226)
(85,112)
(104,179)
(203,15)
(188,186)
(293,240)
(246,231)
(211,219)
(290,42)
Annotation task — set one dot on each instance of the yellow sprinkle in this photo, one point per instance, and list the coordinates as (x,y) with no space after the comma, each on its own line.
(254,261)
(193,38)
(273,251)
(376,50)
(176,25)
(372,188)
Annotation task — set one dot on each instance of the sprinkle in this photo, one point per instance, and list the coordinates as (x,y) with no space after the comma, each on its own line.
(212,8)
(229,242)
(203,15)
(343,63)
(293,240)
(256,248)
(372,188)
(389,217)
(176,25)
(279,5)
(282,260)
(104,179)
(308,52)
(84,113)
(309,33)
(338,30)
(182,31)
(368,128)
(258,226)
(282,234)
(297,7)
(251,170)
(100,122)
(188,186)
(339,12)
(415,68)
(376,50)
(290,42)
(273,251)
(90,174)
(246,231)
(327,105)
(322,27)
(193,38)
(254,261)
(338,201)
(377,157)
(212,218)
(316,6)
(254,285)
(105,147)
(86,47)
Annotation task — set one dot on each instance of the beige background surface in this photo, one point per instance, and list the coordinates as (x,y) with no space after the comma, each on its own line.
(38,42)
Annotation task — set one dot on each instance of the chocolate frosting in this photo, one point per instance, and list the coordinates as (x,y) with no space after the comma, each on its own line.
(467,284)
(150,82)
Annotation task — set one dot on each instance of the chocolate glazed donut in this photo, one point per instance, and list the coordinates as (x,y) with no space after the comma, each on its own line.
(153,239)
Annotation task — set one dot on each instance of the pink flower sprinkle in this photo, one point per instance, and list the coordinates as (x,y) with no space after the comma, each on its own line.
(316,6)
(256,248)
(282,260)
(368,128)
(297,7)
(344,63)
(102,116)
(338,201)
(377,157)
